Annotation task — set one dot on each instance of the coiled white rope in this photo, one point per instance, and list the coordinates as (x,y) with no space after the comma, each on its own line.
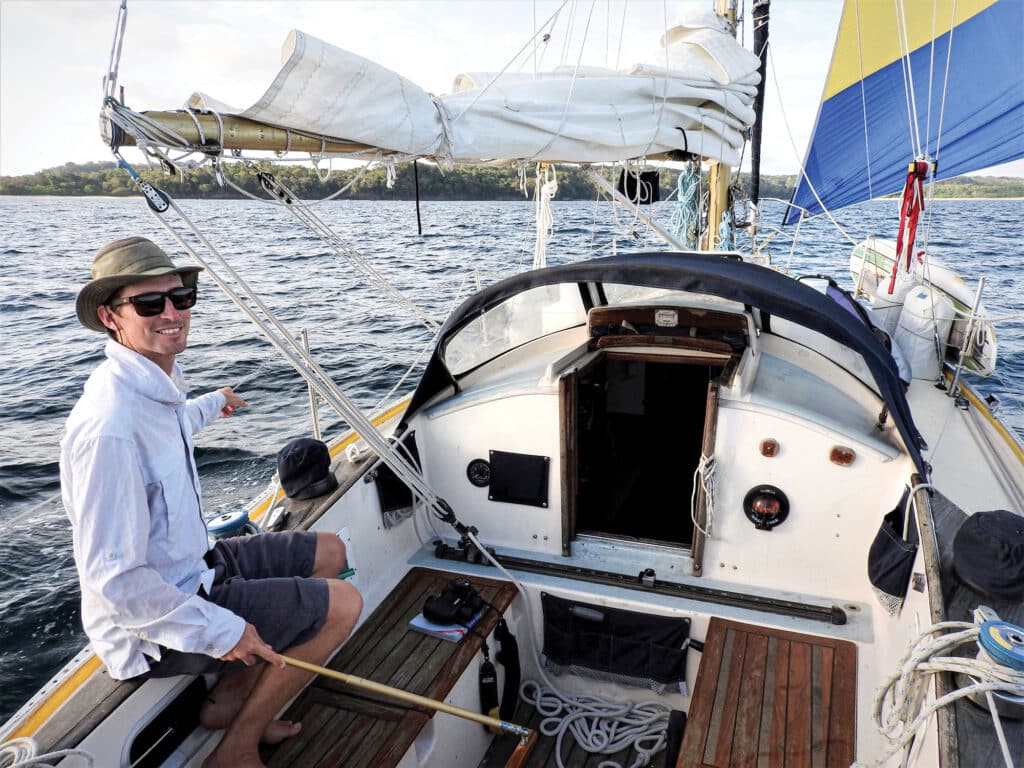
(704,477)
(899,711)
(599,725)
(22,753)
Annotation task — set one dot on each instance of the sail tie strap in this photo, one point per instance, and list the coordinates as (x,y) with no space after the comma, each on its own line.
(910,210)
(545,189)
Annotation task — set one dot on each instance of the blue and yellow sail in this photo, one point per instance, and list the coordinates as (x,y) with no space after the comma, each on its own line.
(915,79)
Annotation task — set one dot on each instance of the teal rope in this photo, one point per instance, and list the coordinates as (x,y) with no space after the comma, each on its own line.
(684,223)
(725,240)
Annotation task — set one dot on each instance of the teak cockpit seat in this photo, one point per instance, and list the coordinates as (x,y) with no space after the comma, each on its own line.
(765,696)
(343,725)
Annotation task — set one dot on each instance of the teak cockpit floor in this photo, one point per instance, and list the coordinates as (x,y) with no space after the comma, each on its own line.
(343,725)
(763,697)
(769,697)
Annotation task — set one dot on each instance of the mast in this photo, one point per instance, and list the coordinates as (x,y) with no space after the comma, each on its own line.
(718,174)
(760,14)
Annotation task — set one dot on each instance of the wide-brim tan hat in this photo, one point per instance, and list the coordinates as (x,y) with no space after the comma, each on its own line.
(122,263)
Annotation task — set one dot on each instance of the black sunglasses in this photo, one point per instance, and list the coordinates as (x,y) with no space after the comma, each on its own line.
(152,304)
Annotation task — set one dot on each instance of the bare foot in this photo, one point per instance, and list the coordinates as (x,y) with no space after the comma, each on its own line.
(217,718)
(279,730)
(227,698)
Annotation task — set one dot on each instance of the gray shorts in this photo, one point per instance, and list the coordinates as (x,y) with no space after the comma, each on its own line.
(265,580)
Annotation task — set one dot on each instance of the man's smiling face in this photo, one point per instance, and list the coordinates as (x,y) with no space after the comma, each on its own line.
(158,338)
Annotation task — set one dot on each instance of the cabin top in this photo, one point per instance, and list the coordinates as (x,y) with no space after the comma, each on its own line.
(709,303)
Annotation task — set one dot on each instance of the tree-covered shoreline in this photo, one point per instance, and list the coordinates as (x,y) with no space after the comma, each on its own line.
(474,183)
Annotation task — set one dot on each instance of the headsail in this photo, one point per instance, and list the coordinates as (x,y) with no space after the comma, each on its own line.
(882,109)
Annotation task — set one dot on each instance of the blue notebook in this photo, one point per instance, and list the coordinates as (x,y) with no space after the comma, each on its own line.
(451,632)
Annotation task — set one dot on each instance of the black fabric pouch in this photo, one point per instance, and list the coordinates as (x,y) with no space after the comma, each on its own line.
(622,646)
(891,560)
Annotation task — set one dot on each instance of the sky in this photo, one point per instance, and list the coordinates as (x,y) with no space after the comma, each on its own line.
(54,53)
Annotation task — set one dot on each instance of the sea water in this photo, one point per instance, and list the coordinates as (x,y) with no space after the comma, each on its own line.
(366,343)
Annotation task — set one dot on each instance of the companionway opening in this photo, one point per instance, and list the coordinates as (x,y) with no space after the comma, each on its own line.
(638,432)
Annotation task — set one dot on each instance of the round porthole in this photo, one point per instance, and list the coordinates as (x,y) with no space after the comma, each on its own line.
(479,472)
(766,507)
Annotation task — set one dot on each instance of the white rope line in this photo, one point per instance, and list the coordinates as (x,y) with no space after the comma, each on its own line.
(704,478)
(272,201)
(863,101)
(317,225)
(596,723)
(32,510)
(796,153)
(383,402)
(931,77)
(792,247)
(622,34)
(945,84)
(545,188)
(899,711)
(664,86)
(908,79)
(929,214)
(306,365)
(572,87)
(569,24)
(23,752)
(547,24)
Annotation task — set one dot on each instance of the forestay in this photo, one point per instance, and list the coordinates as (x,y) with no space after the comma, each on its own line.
(697,99)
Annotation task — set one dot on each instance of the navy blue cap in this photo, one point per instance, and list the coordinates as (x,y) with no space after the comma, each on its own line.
(988,554)
(304,468)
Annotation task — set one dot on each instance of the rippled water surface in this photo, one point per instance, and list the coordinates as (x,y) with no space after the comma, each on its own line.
(46,247)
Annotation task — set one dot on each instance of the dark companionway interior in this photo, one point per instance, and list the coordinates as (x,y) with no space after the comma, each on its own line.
(639,431)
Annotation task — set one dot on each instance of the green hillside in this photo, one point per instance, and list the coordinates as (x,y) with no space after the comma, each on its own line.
(74,179)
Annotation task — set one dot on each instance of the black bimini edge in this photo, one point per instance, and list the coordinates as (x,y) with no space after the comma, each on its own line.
(749,284)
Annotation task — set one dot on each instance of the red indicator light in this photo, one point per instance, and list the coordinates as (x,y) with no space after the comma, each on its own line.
(765,506)
(769,447)
(842,455)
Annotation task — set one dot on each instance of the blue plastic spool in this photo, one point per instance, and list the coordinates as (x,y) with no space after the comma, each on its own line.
(1003,642)
(228,524)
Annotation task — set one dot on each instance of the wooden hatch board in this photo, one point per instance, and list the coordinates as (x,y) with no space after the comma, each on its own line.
(768,698)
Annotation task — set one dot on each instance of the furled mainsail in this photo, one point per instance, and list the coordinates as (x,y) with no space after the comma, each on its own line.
(697,100)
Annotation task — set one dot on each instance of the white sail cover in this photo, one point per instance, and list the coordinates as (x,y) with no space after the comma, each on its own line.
(697,100)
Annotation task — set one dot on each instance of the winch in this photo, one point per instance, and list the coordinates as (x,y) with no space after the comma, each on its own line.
(1002,643)
(231,523)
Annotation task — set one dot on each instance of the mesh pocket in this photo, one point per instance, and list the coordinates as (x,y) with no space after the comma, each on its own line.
(614,644)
